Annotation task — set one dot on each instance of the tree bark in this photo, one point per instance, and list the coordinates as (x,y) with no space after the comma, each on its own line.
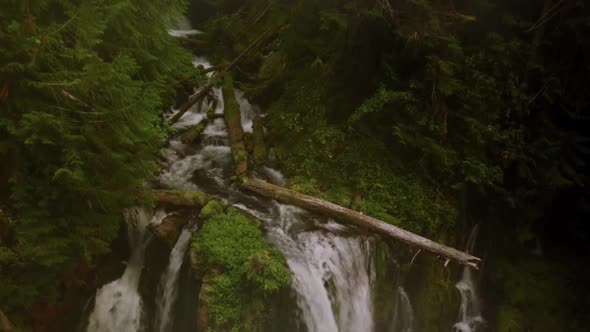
(259,151)
(233,122)
(351,217)
(193,134)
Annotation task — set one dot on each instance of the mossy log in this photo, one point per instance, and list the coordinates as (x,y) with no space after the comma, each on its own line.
(351,217)
(260,151)
(193,134)
(180,198)
(233,122)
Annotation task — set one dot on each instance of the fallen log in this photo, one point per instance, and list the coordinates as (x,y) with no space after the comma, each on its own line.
(235,132)
(192,135)
(349,216)
(179,198)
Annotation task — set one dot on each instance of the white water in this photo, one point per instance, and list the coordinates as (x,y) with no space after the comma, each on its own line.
(331,267)
(403,319)
(168,288)
(118,305)
(469,317)
(332,270)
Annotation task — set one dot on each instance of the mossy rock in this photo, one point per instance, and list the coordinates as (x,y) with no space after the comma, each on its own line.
(212,208)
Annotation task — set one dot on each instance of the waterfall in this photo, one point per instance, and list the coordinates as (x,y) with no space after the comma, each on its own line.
(332,269)
(403,319)
(168,288)
(469,317)
(118,305)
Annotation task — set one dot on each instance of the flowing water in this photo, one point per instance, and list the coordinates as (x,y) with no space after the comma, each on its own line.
(403,319)
(332,268)
(469,317)
(168,288)
(118,305)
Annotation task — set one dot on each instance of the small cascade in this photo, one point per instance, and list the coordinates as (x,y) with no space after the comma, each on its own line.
(332,269)
(118,305)
(168,288)
(469,318)
(403,319)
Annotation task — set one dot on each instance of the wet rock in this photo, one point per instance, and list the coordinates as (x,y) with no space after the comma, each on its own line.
(170,228)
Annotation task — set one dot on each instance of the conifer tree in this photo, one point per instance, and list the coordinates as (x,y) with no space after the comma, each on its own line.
(83,85)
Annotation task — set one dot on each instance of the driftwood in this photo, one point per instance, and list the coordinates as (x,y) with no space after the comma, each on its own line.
(349,216)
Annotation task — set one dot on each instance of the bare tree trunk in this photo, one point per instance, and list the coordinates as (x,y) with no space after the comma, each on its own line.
(351,217)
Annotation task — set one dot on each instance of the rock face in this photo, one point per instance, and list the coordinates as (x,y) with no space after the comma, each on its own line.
(170,228)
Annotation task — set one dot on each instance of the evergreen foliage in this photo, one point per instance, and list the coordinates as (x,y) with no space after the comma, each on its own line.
(427,106)
(83,87)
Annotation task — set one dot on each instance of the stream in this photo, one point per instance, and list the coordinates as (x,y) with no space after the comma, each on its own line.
(333,272)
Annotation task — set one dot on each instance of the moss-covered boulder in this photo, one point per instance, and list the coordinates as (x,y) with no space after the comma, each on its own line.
(241,273)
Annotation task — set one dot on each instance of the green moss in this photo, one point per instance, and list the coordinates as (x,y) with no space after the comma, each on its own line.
(198,197)
(193,134)
(212,208)
(249,271)
(509,319)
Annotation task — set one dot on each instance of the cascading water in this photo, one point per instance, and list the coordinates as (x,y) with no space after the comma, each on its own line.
(168,288)
(403,319)
(469,317)
(118,305)
(332,267)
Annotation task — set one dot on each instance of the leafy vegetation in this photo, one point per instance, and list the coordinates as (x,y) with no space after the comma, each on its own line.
(431,110)
(246,271)
(83,85)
